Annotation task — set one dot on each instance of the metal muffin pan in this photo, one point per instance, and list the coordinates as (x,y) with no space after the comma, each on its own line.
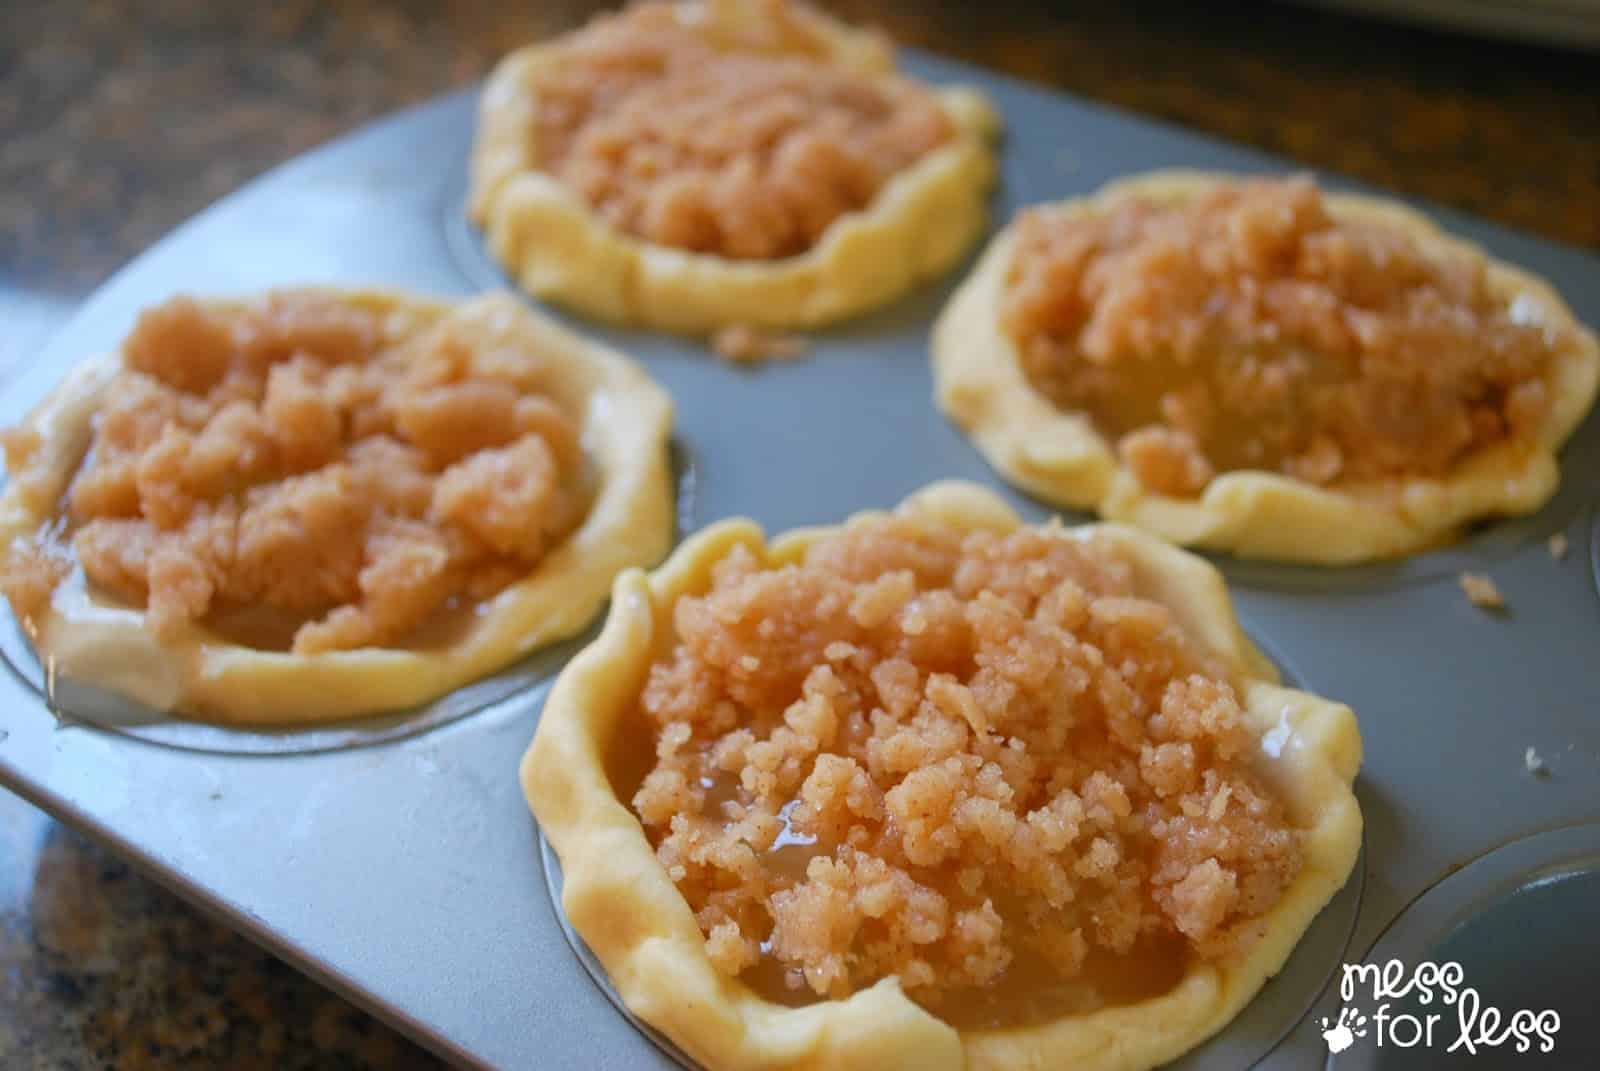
(399,864)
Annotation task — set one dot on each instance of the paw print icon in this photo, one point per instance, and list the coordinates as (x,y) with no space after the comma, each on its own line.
(1342,1034)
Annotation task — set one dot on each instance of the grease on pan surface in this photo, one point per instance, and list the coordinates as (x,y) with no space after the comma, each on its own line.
(320,504)
(768,912)
(690,166)
(1260,368)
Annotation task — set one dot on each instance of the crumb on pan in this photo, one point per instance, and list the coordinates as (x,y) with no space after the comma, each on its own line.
(1534,763)
(1482,592)
(743,344)
(1558,546)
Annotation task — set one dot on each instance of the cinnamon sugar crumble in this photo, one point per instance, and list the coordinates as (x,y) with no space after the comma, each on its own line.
(743,140)
(1248,328)
(289,462)
(978,762)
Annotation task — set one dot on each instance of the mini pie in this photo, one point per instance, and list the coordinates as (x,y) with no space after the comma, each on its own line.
(317,503)
(937,789)
(1254,366)
(695,165)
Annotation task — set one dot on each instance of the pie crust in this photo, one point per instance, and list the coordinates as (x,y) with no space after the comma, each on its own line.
(1059,456)
(626,907)
(625,419)
(558,248)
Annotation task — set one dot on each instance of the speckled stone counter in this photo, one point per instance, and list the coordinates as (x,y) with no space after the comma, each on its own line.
(119,119)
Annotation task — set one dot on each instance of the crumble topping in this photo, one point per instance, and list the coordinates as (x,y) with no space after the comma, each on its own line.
(977,761)
(1247,328)
(290,477)
(744,142)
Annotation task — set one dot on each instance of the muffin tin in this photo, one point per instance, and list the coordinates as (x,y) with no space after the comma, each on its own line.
(397,861)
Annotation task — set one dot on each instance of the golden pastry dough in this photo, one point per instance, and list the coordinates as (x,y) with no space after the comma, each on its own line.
(625,422)
(1059,456)
(559,249)
(625,905)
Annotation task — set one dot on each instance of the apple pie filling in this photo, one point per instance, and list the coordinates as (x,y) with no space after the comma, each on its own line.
(290,475)
(975,761)
(746,142)
(1248,328)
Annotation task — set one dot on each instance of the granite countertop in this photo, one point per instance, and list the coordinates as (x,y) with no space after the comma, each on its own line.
(120,119)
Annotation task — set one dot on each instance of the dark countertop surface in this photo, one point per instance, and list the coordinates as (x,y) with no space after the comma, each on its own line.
(118,120)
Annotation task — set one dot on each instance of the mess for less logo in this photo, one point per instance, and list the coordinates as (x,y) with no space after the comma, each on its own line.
(1469,1026)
